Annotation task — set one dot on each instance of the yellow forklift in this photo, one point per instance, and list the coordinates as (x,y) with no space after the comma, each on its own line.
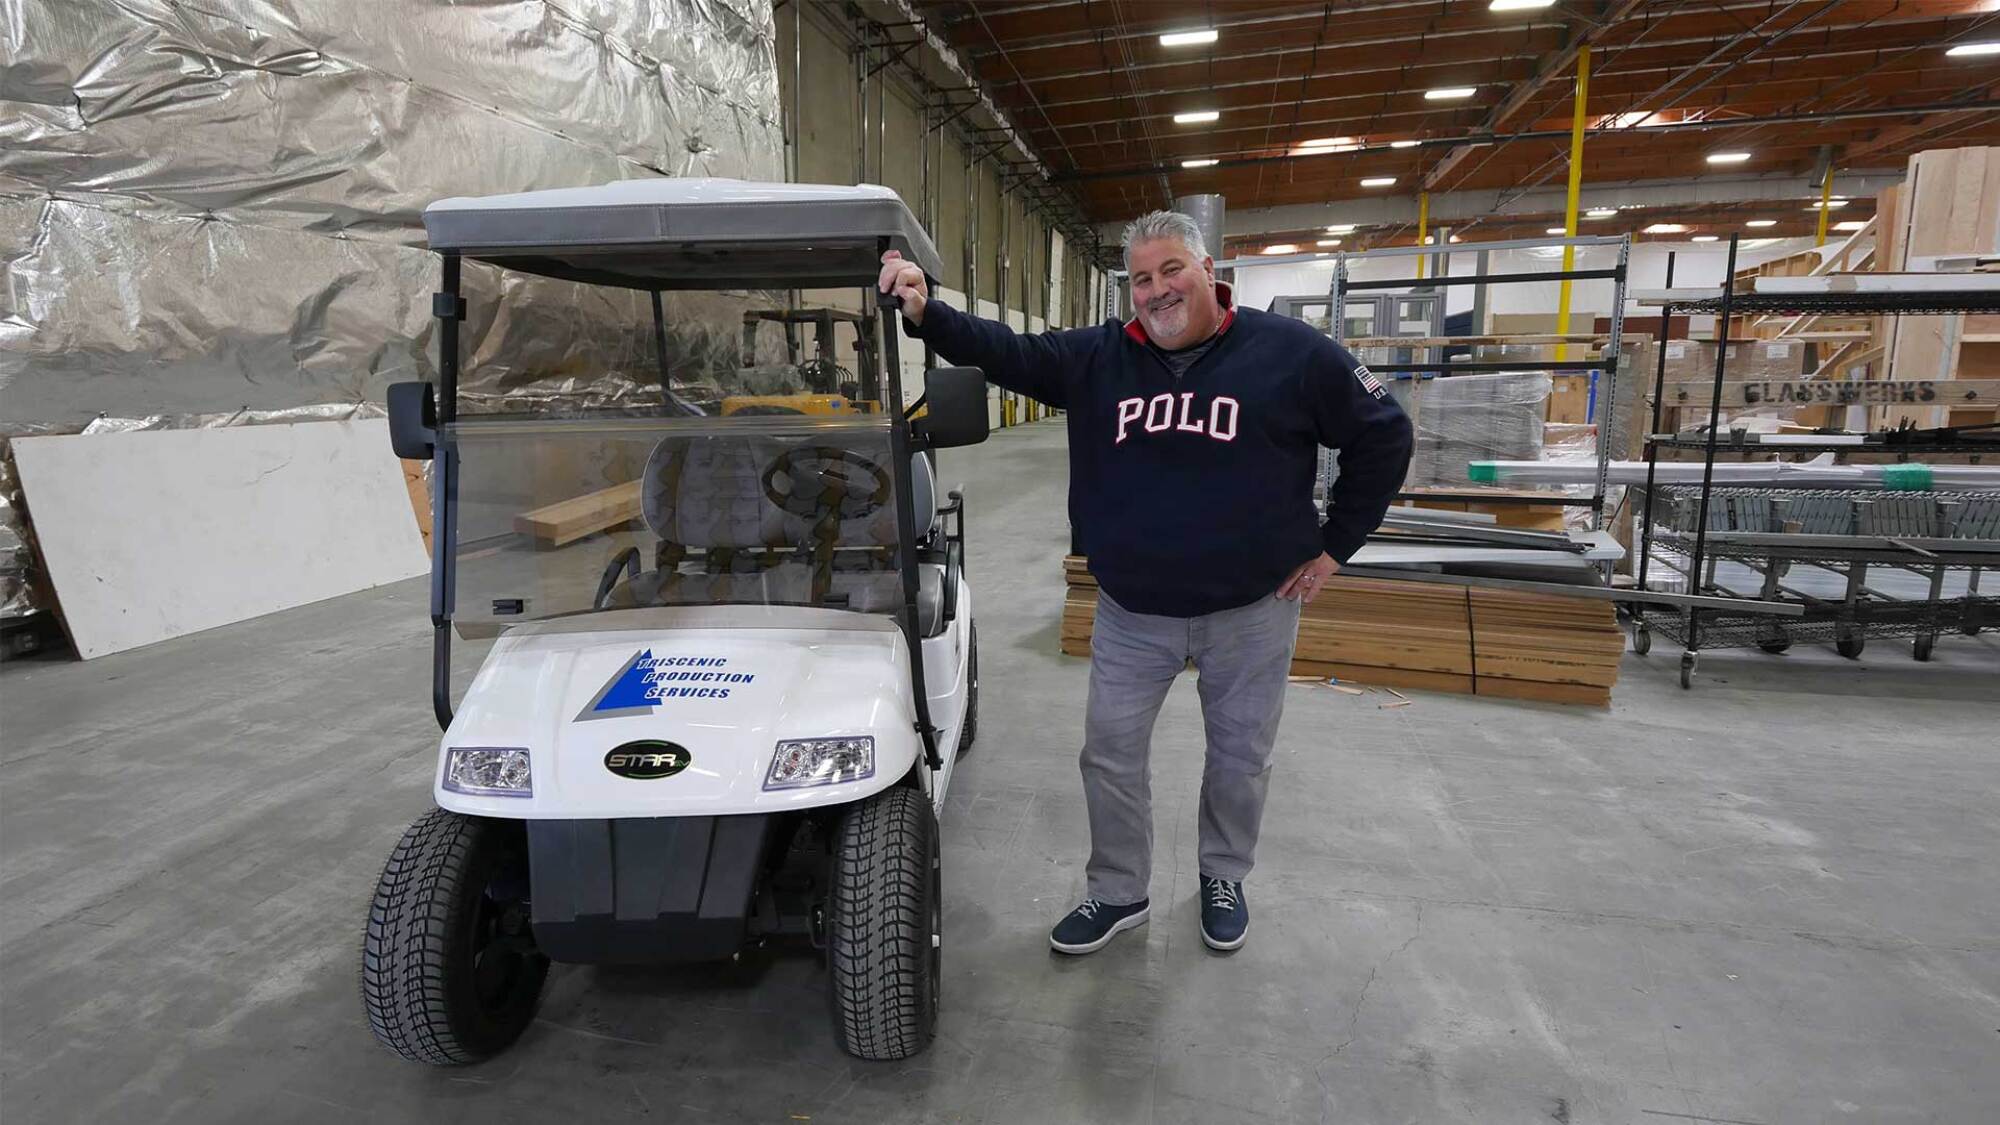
(829,388)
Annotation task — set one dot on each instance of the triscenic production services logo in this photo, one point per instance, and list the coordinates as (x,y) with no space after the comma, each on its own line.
(648,759)
(646,681)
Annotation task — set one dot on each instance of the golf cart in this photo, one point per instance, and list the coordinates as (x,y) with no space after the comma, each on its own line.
(733,656)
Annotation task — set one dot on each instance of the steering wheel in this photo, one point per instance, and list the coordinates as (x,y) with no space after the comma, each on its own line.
(826,482)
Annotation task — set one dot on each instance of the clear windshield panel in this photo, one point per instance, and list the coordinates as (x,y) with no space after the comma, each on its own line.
(581,516)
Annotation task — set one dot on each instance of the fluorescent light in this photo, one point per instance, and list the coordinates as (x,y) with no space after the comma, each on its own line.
(1204,162)
(1967,50)
(1197,117)
(1518,5)
(1665,228)
(1761,223)
(1831,205)
(1340,228)
(1328,242)
(1379,181)
(1326,142)
(1601,213)
(1450,93)
(1281,248)
(1404,144)
(1728,157)
(1188,38)
(1850,224)
(1556,230)
(1704,238)
(1455,238)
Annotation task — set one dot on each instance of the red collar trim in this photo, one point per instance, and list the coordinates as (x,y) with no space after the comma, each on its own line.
(1223,296)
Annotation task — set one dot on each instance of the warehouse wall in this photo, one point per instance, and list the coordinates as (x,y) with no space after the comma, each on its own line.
(1010,245)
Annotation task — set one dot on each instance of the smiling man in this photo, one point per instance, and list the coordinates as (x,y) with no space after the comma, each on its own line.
(1194,436)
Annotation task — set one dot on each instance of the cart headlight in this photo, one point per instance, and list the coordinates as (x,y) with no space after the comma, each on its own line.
(821,761)
(488,772)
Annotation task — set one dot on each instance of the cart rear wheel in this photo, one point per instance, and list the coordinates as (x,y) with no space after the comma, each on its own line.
(1642,640)
(1688,660)
(1849,645)
(1921,650)
(449,971)
(1774,641)
(884,932)
(970,729)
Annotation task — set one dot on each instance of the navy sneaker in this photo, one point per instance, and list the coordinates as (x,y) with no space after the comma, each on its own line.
(1225,917)
(1093,924)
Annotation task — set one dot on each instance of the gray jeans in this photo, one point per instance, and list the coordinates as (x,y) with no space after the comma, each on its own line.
(1243,656)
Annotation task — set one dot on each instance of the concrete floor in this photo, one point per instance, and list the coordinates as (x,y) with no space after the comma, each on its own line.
(1773,899)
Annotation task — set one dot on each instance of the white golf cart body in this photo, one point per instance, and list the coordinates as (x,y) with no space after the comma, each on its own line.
(721,634)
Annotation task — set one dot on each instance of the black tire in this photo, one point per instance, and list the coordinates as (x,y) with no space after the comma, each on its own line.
(1921,649)
(449,974)
(1642,640)
(1850,645)
(970,729)
(883,927)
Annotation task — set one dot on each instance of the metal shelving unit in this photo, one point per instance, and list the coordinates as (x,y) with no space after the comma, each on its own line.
(1606,367)
(1769,532)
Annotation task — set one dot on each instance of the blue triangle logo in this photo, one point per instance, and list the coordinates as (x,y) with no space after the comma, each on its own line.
(628,693)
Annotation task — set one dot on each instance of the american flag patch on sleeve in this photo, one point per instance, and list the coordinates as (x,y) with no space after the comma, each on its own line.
(1369,381)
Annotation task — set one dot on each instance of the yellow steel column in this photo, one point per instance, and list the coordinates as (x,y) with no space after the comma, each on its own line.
(1826,196)
(1575,189)
(1423,226)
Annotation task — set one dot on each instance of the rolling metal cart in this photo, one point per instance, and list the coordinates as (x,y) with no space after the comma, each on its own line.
(1834,537)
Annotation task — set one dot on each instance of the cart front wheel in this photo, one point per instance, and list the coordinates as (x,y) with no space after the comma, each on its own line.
(1642,640)
(1921,650)
(1849,645)
(884,927)
(449,969)
(1688,661)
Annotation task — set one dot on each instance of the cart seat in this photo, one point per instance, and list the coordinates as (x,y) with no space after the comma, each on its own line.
(708,492)
(790,582)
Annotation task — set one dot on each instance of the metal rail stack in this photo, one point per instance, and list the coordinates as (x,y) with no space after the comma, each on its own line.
(1786,539)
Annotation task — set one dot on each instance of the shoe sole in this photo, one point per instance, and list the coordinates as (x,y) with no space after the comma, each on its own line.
(1130,922)
(1225,946)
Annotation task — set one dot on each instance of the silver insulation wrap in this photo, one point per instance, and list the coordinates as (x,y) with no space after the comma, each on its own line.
(211,207)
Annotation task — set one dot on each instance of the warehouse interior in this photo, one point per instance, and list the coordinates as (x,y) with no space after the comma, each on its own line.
(1637,769)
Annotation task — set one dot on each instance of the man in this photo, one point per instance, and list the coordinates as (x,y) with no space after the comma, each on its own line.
(1194,432)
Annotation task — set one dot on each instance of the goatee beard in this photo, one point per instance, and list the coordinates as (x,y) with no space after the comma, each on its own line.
(1171,323)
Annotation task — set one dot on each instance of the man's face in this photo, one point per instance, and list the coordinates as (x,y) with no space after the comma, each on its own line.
(1174,293)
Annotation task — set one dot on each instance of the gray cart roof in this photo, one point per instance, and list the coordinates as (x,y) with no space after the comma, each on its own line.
(687,233)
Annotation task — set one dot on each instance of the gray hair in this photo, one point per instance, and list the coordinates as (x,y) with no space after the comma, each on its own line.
(1163,224)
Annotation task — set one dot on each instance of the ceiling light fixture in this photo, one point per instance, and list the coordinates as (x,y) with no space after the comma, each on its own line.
(1281,248)
(1404,144)
(1601,213)
(1203,162)
(1850,224)
(1196,117)
(1831,205)
(1665,228)
(1970,50)
(1761,223)
(1557,230)
(1328,242)
(1188,38)
(1379,181)
(1450,93)
(1519,5)
(1340,228)
(1728,157)
(1704,238)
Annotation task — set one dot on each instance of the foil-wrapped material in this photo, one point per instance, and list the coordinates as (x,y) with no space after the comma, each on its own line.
(210,208)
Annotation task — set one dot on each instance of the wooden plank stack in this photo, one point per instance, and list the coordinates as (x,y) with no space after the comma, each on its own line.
(1431,636)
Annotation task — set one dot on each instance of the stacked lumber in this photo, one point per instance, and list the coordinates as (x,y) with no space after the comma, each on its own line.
(1432,636)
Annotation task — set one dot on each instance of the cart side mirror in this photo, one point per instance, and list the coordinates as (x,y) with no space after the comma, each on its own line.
(413,419)
(955,407)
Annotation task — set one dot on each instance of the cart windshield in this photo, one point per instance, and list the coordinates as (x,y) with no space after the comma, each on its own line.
(592,515)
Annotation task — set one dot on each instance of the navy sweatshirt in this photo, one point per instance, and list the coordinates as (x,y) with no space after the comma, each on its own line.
(1194,495)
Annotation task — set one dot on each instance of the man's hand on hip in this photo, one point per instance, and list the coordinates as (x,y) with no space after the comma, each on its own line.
(904,280)
(1305,582)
